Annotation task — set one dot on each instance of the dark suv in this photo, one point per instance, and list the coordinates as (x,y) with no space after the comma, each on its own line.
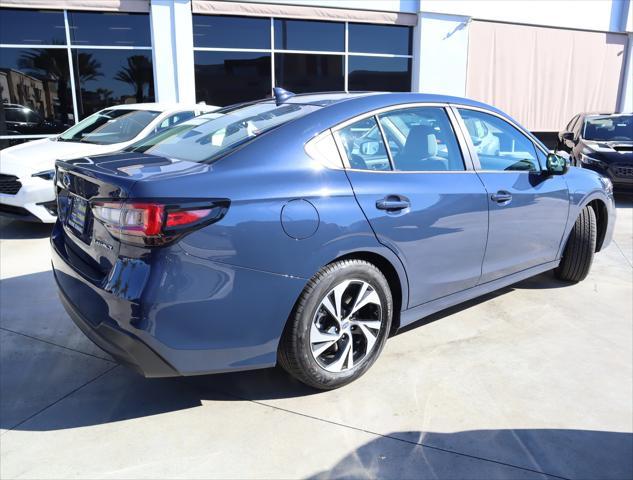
(603,143)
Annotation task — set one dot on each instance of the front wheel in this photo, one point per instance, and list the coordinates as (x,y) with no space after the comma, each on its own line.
(580,248)
(339,325)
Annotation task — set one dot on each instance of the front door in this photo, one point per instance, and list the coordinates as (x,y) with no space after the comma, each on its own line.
(528,209)
(419,197)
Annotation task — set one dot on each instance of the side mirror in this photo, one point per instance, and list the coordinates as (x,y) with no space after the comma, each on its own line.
(567,136)
(369,147)
(556,165)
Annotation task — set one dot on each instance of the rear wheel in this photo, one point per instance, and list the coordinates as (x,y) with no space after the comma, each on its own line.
(580,248)
(339,326)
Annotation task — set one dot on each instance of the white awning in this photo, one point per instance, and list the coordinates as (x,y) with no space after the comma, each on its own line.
(213,7)
(134,6)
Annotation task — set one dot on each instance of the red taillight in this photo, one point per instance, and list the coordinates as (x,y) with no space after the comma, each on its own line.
(186,217)
(154,223)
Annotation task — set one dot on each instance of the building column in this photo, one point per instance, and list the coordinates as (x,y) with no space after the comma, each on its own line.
(440,54)
(626,94)
(172,53)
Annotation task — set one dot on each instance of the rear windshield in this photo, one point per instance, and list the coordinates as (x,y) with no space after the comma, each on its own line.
(210,136)
(109,126)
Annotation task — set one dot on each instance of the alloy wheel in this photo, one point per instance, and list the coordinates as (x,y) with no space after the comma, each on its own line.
(346,325)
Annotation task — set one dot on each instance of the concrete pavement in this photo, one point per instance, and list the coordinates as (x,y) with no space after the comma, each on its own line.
(533,381)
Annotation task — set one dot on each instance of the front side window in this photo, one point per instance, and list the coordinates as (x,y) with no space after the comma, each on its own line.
(499,145)
(570,125)
(109,126)
(421,139)
(364,146)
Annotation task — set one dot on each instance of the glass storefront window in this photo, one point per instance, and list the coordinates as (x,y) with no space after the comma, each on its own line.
(230,32)
(35,91)
(236,62)
(112,29)
(309,35)
(303,73)
(223,78)
(388,74)
(112,77)
(32,27)
(391,39)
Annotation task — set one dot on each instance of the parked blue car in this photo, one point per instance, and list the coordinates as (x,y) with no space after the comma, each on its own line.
(303,229)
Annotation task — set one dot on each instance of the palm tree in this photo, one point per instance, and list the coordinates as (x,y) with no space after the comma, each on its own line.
(138,73)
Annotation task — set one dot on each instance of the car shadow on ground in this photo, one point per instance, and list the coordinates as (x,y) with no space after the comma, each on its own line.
(15,230)
(120,394)
(556,452)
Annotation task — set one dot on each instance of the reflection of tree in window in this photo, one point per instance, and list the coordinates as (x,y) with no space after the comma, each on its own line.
(49,64)
(138,73)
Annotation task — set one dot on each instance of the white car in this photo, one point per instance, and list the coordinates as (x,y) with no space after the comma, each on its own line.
(27,170)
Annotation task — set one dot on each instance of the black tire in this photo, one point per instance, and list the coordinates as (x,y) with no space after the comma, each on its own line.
(295,352)
(581,245)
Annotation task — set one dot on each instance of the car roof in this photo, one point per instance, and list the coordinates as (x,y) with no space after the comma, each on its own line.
(163,107)
(327,99)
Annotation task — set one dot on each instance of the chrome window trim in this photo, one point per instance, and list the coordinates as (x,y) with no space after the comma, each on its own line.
(385,141)
(475,157)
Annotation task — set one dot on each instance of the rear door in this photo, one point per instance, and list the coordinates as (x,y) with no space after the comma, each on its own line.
(528,209)
(421,196)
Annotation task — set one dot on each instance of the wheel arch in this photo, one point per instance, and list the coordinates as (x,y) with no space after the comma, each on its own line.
(602,220)
(397,284)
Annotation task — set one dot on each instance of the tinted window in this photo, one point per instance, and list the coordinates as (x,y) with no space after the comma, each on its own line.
(309,35)
(35,27)
(231,32)
(109,126)
(223,78)
(393,39)
(364,146)
(382,74)
(302,73)
(112,77)
(117,29)
(608,128)
(498,144)
(421,139)
(209,136)
(35,80)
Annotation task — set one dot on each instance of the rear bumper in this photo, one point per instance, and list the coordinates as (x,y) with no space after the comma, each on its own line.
(178,314)
(123,346)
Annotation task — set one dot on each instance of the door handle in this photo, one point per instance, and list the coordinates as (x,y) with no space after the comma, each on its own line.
(393,203)
(501,196)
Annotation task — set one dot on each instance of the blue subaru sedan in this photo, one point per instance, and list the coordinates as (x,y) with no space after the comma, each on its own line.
(302,230)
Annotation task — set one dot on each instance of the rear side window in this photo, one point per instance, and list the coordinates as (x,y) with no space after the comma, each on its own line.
(421,139)
(499,145)
(364,146)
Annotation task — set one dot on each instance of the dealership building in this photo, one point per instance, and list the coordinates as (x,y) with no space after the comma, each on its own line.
(540,61)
